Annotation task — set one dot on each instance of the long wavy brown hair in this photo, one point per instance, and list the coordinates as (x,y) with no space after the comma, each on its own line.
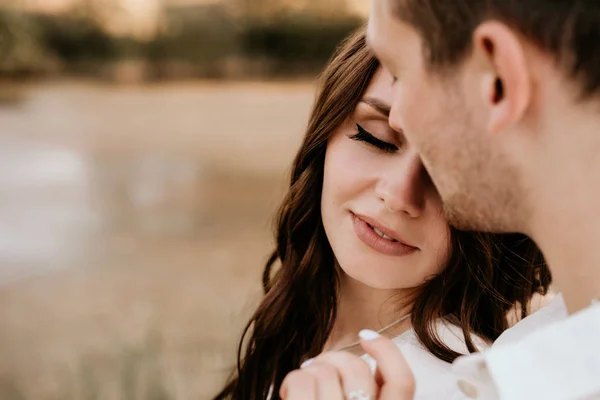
(487,275)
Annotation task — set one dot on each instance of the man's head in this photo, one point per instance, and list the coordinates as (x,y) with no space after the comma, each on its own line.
(476,82)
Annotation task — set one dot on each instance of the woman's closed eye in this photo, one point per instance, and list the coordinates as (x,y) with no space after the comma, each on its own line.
(363,136)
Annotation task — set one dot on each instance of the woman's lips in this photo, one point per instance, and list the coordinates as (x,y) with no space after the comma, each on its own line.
(366,232)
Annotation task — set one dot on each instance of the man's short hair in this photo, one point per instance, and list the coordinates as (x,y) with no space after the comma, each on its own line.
(567,29)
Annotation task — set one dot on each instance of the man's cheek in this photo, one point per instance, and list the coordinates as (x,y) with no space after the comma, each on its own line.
(396,119)
(407,111)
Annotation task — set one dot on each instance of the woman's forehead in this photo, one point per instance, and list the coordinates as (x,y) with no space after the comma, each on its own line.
(381,86)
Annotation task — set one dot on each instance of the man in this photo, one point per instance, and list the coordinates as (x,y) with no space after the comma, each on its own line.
(502,99)
(507,120)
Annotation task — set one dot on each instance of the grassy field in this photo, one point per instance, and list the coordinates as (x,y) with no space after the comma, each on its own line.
(134,223)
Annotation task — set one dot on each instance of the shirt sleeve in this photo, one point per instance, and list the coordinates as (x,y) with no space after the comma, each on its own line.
(559,362)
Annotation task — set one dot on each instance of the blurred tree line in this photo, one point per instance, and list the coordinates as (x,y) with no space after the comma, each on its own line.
(205,41)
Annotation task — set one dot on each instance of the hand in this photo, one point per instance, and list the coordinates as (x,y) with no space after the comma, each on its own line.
(335,375)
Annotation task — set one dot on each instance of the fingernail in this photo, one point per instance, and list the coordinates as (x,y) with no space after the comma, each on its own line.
(367,334)
(306,363)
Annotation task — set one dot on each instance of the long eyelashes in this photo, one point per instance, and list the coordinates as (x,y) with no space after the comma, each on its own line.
(363,136)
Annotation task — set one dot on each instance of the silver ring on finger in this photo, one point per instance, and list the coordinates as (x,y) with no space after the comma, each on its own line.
(358,395)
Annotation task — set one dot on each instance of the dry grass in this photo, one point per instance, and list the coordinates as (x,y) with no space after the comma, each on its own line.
(117,330)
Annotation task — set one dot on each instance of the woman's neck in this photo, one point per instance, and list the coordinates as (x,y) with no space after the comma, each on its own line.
(362,307)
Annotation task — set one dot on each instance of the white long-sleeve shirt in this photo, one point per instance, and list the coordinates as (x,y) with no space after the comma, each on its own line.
(548,356)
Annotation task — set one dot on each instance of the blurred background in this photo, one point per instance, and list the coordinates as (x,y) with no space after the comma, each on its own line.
(144,147)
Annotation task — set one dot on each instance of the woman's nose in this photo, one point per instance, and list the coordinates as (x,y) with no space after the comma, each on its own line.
(403,187)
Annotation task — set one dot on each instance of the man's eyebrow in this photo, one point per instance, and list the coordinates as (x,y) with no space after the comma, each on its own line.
(378,105)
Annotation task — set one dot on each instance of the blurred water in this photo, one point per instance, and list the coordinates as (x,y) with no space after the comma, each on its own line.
(81,165)
(43,206)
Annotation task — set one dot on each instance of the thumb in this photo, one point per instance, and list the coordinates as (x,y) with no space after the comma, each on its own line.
(393,374)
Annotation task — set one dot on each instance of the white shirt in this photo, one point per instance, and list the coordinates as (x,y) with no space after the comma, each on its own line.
(434,378)
(547,356)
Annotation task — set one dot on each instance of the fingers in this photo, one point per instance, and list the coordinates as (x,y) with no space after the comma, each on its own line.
(354,373)
(331,376)
(299,385)
(393,374)
(329,385)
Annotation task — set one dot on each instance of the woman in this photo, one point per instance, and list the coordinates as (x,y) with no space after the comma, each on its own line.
(362,243)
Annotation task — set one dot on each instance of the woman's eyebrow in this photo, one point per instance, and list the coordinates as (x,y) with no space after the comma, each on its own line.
(378,105)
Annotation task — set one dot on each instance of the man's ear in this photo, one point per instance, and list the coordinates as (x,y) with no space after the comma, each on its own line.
(506,84)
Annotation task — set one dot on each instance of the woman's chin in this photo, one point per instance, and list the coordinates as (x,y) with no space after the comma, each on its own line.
(377,280)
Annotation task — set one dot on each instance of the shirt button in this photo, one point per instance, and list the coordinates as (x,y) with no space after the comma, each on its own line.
(482,366)
(468,389)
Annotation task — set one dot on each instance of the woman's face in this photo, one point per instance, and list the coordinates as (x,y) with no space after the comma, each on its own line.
(382,215)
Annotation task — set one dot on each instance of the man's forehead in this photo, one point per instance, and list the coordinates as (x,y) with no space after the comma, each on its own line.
(381,23)
(381,6)
(376,14)
(375,27)
(388,36)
